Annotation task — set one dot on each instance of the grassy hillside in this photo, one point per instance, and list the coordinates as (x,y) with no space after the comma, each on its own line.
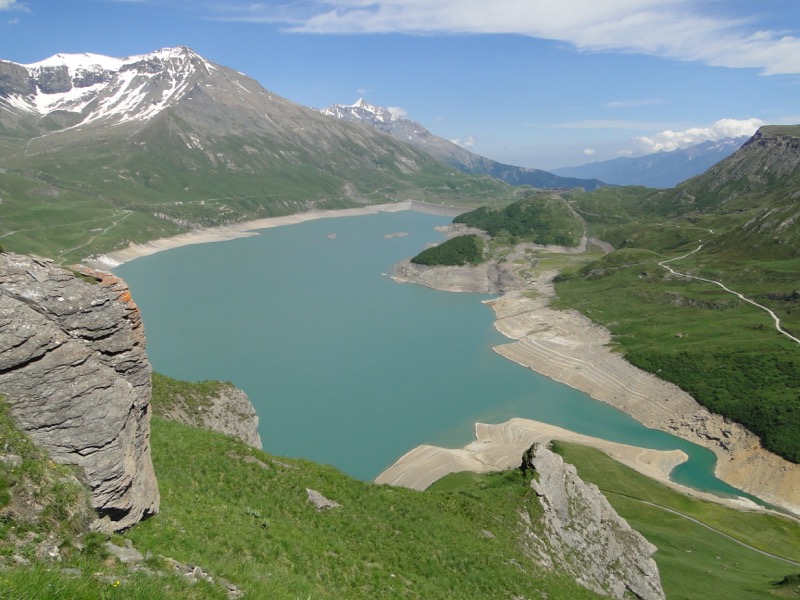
(541,218)
(244,517)
(697,560)
(457,251)
(736,224)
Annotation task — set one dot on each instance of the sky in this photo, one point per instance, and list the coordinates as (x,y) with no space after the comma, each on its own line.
(533,83)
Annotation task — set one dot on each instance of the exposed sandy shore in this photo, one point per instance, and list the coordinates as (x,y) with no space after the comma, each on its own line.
(500,447)
(567,347)
(250,228)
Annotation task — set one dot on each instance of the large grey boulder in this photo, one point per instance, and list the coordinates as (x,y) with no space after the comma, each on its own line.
(74,371)
(586,537)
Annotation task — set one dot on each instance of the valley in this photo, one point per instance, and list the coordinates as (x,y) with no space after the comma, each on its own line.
(679,306)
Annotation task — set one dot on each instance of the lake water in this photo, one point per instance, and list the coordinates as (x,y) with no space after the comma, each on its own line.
(345,366)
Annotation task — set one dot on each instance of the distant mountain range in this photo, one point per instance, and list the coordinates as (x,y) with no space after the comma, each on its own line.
(169,141)
(659,170)
(452,154)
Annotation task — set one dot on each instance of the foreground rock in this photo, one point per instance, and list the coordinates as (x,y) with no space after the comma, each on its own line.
(75,373)
(586,537)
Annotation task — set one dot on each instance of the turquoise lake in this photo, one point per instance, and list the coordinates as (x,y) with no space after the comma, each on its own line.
(345,366)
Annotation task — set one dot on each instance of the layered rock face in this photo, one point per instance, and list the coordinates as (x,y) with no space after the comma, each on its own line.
(587,538)
(74,370)
(229,411)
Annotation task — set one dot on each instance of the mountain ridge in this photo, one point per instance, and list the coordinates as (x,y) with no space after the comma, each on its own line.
(660,169)
(450,153)
(153,145)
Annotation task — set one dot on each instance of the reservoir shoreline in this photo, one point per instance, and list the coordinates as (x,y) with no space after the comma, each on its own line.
(569,348)
(550,342)
(250,228)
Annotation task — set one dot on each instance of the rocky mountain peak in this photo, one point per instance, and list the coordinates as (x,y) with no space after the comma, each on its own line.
(93,87)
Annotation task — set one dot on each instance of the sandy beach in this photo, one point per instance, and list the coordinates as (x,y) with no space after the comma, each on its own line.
(250,228)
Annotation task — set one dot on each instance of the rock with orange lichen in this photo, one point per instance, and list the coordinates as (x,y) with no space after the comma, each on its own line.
(75,373)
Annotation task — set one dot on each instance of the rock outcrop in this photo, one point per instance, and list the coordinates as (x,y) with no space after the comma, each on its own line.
(586,537)
(225,409)
(75,373)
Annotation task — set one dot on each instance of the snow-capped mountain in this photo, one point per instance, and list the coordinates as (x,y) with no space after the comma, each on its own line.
(84,88)
(182,140)
(388,121)
(659,170)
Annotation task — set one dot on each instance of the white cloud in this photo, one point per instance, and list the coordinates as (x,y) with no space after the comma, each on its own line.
(679,29)
(9,4)
(397,111)
(672,140)
(468,142)
(590,152)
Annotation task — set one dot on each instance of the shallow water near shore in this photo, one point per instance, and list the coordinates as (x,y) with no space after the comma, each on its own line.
(345,366)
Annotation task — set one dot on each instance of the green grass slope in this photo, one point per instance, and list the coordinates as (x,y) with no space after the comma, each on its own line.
(542,219)
(737,224)
(696,557)
(226,151)
(245,516)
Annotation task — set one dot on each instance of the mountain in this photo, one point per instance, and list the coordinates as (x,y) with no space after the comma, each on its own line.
(387,121)
(150,145)
(758,186)
(659,170)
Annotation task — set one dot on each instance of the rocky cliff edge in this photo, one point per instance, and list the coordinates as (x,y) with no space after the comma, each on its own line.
(75,373)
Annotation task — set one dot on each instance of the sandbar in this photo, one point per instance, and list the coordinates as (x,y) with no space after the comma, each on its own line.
(500,447)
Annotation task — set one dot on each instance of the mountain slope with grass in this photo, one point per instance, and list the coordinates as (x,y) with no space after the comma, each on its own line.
(737,225)
(99,151)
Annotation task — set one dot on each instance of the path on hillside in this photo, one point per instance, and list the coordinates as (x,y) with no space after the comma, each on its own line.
(125,215)
(775,318)
(714,529)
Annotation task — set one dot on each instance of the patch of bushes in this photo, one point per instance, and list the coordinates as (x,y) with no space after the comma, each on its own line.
(542,221)
(458,251)
(759,390)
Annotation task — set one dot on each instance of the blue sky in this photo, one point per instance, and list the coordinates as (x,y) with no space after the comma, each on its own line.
(536,83)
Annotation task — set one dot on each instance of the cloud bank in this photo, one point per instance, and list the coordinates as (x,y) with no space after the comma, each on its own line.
(691,30)
(672,140)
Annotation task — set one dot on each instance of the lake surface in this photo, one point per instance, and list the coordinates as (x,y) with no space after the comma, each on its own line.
(345,366)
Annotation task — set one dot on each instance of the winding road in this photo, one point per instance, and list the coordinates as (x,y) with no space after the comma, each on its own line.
(775,318)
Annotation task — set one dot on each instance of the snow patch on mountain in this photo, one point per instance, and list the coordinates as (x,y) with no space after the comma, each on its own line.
(104,88)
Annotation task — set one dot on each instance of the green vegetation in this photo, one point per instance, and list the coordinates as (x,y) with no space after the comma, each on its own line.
(457,251)
(44,510)
(94,196)
(171,393)
(695,561)
(544,219)
(723,351)
(244,516)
